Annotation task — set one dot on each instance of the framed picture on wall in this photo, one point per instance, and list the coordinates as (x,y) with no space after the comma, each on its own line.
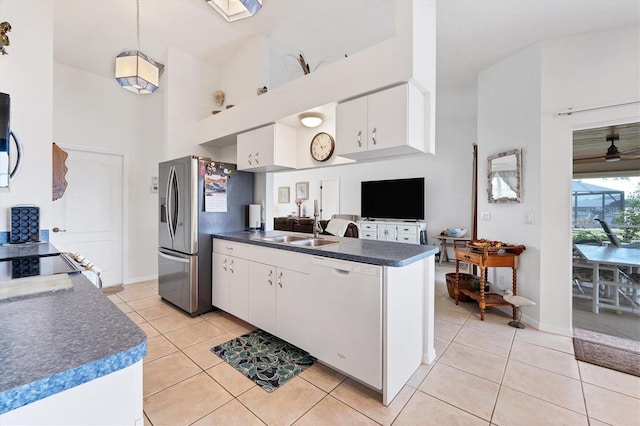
(302,190)
(283,195)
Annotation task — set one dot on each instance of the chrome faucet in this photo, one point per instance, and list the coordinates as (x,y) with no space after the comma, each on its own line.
(317,229)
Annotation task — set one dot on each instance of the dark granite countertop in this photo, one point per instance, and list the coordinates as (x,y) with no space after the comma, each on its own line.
(16,251)
(385,253)
(54,341)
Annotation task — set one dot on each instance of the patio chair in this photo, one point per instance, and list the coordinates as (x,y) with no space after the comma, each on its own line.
(613,238)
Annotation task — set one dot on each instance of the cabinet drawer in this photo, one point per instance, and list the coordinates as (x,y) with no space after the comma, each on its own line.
(407,230)
(368,227)
(369,235)
(408,238)
(231,248)
(469,256)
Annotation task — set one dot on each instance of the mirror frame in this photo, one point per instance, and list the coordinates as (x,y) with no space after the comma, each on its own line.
(492,197)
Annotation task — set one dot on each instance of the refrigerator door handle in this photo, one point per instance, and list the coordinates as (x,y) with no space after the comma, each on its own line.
(174,258)
(170,206)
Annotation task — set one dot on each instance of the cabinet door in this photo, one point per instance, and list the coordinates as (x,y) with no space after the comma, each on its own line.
(387,232)
(262,296)
(387,112)
(351,126)
(245,150)
(238,284)
(219,282)
(263,146)
(294,304)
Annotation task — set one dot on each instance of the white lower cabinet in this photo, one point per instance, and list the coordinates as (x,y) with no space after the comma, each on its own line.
(278,302)
(293,302)
(262,296)
(230,291)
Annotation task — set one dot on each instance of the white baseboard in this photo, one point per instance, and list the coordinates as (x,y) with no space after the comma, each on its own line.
(140,279)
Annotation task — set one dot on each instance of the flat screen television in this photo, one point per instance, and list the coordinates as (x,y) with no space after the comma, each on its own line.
(393,199)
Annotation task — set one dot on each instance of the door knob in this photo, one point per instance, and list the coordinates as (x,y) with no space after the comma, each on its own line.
(56,229)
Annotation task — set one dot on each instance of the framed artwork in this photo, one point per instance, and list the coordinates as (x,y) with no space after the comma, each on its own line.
(302,190)
(283,195)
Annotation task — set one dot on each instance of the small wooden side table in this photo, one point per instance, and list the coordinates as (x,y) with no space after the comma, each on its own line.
(455,242)
(486,260)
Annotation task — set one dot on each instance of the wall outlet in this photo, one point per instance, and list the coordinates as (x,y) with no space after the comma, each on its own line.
(485,216)
(154,188)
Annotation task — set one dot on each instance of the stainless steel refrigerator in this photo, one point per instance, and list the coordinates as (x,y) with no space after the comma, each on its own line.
(198,197)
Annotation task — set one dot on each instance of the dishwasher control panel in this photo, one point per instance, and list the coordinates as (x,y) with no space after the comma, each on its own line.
(346,266)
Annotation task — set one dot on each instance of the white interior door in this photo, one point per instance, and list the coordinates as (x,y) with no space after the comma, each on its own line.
(88,218)
(329,198)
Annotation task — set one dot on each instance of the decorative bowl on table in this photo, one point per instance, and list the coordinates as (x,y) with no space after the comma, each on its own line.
(514,249)
(456,232)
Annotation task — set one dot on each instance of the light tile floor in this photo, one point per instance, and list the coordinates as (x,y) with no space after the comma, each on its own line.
(486,373)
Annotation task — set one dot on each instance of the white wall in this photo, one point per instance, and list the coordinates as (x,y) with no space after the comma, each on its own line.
(575,75)
(447,178)
(245,72)
(26,75)
(509,118)
(94,112)
(188,87)
(518,102)
(311,39)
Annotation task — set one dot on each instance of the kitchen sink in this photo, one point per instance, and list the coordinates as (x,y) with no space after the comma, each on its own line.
(284,239)
(314,242)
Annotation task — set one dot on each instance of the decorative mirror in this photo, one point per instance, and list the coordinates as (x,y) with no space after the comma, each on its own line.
(504,177)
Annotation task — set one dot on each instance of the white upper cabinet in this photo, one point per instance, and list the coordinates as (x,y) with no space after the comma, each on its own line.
(385,123)
(267,148)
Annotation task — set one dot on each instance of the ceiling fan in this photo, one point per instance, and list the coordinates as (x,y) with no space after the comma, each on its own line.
(612,154)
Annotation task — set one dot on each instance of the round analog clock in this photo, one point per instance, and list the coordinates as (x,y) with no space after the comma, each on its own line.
(322,146)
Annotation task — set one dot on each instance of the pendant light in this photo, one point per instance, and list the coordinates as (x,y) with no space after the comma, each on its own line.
(232,10)
(136,71)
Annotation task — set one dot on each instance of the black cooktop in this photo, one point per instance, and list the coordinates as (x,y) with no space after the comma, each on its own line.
(37,265)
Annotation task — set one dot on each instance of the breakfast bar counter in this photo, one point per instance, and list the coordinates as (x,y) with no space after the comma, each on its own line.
(58,342)
(373,252)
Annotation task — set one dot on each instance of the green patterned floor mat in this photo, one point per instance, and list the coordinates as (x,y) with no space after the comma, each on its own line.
(264,358)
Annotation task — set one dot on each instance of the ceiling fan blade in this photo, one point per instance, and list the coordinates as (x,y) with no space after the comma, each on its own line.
(588,160)
(630,157)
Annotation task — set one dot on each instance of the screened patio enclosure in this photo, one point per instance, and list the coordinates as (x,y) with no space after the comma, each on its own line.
(593,201)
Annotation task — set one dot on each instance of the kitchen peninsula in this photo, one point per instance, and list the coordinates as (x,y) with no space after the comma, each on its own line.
(69,357)
(363,307)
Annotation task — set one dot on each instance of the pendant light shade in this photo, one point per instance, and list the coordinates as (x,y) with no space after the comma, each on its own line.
(232,10)
(136,71)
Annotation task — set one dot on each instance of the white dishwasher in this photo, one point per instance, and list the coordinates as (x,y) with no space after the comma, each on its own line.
(349,310)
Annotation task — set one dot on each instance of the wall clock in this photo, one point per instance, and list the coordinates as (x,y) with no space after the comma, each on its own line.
(322,146)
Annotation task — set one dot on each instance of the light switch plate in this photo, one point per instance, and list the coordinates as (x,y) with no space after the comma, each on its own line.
(154,188)
(529,218)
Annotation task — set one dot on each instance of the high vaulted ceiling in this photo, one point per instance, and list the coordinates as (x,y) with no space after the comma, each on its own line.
(471,34)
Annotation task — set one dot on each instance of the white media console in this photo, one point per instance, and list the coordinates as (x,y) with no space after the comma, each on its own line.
(402,232)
